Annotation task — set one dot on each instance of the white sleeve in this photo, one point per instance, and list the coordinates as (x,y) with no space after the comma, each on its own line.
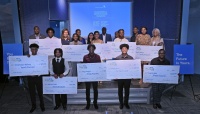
(51,68)
(66,68)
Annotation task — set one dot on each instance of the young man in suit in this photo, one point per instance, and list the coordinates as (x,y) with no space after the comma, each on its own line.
(37,34)
(35,82)
(104,36)
(59,67)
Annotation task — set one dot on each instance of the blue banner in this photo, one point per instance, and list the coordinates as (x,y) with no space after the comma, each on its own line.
(184,56)
(10,50)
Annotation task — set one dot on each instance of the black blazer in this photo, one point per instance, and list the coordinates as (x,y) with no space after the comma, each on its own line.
(108,37)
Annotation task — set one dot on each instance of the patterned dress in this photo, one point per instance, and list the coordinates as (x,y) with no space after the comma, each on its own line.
(143,39)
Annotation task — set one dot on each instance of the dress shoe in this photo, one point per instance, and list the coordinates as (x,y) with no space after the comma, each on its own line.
(127,106)
(56,107)
(96,106)
(87,107)
(121,106)
(42,108)
(64,107)
(32,109)
(154,106)
(159,106)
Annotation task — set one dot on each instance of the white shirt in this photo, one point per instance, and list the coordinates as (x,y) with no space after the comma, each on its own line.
(66,67)
(37,36)
(51,38)
(121,40)
(104,38)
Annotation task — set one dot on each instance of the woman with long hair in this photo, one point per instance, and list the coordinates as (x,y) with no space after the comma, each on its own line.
(90,38)
(65,37)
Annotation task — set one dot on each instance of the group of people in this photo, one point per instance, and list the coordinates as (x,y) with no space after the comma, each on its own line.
(139,36)
(59,67)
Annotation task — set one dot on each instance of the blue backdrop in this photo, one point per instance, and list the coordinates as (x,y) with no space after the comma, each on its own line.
(184,56)
(10,50)
(163,14)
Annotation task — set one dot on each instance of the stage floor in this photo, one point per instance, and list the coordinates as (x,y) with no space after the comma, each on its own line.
(16,100)
(108,93)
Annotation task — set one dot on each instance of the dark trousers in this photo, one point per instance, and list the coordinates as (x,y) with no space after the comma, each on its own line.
(95,89)
(123,83)
(34,83)
(157,92)
(61,98)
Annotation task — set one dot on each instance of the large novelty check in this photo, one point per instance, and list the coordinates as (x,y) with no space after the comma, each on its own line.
(27,66)
(65,85)
(161,74)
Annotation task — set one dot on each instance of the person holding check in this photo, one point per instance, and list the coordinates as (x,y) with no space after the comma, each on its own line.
(158,88)
(91,58)
(59,68)
(124,83)
(35,82)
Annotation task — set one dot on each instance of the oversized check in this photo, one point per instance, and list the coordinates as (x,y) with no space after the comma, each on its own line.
(46,46)
(115,50)
(88,72)
(161,74)
(123,69)
(147,53)
(74,52)
(26,66)
(65,85)
(104,51)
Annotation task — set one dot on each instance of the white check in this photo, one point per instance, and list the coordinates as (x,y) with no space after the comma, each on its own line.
(147,53)
(161,74)
(88,72)
(74,52)
(115,50)
(65,85)
(26,66)
(104,51)
(46,46)
(123,69)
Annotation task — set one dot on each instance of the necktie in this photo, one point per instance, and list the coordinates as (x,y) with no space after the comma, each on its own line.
(57,61)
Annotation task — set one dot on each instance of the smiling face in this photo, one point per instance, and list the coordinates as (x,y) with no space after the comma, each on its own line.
(75,37)
(121,34)
(66,33)
(96,35)
(124,50)
(156,33)
(91,36)
(143,30)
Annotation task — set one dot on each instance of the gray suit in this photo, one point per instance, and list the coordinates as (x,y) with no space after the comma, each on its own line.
(33,36)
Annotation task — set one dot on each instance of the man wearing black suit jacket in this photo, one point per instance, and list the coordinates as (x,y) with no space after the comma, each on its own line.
(105,37)
(37,34)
